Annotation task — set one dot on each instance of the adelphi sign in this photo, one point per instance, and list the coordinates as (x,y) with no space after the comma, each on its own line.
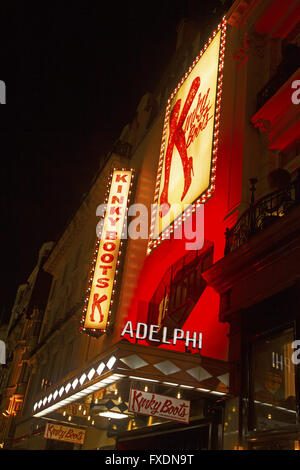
(150,332)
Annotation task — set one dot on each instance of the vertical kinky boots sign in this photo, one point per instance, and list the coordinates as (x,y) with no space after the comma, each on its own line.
(100,292)
(187,165)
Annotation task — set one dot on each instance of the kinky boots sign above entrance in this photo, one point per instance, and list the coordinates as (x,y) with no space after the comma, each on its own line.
(152,404)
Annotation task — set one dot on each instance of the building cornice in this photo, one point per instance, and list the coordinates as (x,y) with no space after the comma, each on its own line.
(240,11)
(258,269)
(138,363)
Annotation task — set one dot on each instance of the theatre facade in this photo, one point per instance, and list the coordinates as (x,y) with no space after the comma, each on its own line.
(173,309)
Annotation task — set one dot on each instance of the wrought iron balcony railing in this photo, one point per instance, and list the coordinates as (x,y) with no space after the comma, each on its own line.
(262,214)
(289,65)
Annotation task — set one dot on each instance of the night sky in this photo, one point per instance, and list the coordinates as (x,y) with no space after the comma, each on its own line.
(74,76)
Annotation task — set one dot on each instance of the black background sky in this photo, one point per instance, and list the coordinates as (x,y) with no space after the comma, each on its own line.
(74,73)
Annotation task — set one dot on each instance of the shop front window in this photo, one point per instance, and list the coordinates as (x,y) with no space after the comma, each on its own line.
(273,382)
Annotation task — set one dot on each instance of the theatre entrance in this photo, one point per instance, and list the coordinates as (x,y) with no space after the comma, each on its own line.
(196,436)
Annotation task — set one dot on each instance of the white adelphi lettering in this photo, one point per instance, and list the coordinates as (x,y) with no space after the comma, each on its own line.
(138,329)
(164,338)
(143,332)
(130,329)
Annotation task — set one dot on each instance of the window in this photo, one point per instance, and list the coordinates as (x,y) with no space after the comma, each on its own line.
(179,290)
(43,381)
(53,369)
(54,281)
(76,260)
(67,366)
(273,381)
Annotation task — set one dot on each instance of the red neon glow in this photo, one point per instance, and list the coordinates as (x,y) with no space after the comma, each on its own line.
(100,292)
(177,138)
(226,187)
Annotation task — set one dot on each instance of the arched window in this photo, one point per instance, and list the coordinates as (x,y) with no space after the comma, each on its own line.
(180,290)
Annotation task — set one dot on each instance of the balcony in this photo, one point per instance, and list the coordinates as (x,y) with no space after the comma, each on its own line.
(179,290)
(277,115)
(288,66)
(262,214)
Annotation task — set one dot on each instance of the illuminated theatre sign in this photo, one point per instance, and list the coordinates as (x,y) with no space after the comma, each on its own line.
(64,433)
(152,404)
(151,333)
(98,303)
(187,165)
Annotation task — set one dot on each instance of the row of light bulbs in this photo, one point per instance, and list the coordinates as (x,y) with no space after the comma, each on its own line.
(84,412)
(146,389)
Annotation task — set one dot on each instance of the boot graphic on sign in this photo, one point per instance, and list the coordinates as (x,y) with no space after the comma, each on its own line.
(177,138)
(96,303)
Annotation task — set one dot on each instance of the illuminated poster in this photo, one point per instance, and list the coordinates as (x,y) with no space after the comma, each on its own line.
(64,433)
(186,171)
(98,303)
(160,406)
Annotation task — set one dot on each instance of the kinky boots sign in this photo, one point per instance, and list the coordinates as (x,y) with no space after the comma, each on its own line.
(187,167)
(152,404)
(98,303)
(64,433)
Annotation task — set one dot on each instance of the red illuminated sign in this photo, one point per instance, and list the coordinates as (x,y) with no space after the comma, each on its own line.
(162,406)
(98,304)
(187,166)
